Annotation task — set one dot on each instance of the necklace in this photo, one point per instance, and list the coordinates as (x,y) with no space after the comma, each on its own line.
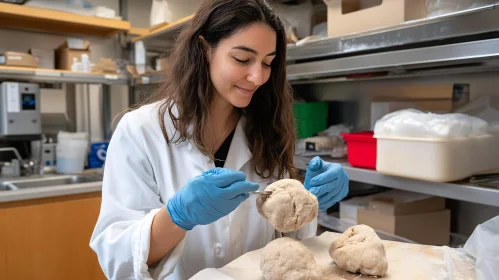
(215,142)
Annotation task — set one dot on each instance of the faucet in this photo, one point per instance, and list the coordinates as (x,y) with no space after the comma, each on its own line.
(27,166)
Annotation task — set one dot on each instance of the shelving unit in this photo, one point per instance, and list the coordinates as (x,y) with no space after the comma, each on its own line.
(467,39)
(148,79)
(160,39)
(484,53)
(412,34)
(59,76)
(459,191)
(137,31)
(51,21)
(31,18)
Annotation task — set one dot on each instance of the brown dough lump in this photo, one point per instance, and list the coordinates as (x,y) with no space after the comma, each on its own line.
(360,250)
(289,207)
(287,259)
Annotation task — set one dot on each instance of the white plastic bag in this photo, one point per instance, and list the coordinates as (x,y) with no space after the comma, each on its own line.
(160,12)
(483,245)
(414,123)
(485,108)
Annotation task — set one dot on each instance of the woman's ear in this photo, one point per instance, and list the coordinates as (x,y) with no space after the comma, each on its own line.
(206,47)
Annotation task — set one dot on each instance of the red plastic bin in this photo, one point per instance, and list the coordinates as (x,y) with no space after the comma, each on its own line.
(361,149)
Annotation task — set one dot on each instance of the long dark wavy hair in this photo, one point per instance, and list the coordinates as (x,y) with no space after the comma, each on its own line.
(187,89)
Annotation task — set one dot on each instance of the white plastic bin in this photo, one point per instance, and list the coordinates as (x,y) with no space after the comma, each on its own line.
(71,156)
(437,160)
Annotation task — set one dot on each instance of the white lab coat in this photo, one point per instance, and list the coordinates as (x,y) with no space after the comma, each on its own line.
(142,172)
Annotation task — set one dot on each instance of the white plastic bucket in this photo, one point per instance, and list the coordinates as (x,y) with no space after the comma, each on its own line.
(71,156)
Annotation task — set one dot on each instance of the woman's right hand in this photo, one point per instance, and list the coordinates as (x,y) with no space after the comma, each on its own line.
(209,197)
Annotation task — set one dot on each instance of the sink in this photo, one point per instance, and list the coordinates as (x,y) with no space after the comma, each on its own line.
(7,187)
(49,181)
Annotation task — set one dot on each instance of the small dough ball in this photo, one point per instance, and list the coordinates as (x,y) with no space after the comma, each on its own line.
(285,258)
(289,207)
(359,249)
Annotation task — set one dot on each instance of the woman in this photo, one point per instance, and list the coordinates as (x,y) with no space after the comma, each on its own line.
(168,209)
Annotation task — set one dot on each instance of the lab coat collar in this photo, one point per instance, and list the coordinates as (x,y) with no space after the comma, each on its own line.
(239,152)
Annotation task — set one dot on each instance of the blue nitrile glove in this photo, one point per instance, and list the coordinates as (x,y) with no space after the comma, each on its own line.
(209,197)
(328,181)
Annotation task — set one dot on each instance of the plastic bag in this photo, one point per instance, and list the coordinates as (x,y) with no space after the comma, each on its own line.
(160,12)
(414,123)
(485,108)
(483,245)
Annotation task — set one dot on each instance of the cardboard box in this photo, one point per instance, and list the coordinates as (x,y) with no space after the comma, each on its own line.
(439,98)
(412,92)
(162,63)
(432,228)
(105,65)
(46,58)
(71,49)
(18,59)
(352,16)
(349,208)
(396,202)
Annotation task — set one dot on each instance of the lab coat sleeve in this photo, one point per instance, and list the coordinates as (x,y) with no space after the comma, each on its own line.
(130,200)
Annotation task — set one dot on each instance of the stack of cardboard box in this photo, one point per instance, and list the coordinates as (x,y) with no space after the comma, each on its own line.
(418,217)
(346,17)
(18,59)
(71,51)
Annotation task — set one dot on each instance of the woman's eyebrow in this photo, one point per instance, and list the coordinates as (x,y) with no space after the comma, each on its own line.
(246,49)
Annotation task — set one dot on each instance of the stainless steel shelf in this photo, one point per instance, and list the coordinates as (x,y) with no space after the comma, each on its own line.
(54,76)
(463,192)
(490,66)
(480,52)
(468,23)
(148,79)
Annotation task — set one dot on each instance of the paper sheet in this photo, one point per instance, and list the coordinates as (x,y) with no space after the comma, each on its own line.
(405,262)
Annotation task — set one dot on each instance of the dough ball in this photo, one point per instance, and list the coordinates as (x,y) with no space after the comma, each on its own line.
(289,207)
(285,258)
(359,249)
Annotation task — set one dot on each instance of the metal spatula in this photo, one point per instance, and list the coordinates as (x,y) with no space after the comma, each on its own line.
(262,193)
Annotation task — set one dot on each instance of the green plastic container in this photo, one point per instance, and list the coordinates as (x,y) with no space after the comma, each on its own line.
(311,118)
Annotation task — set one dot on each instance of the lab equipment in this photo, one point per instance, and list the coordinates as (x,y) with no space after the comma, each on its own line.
(19,109)
(327,181)
(47,153)
(71,151)
(261,192)
(209,197)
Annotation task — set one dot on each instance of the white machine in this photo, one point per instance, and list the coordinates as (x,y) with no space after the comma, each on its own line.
(19,109)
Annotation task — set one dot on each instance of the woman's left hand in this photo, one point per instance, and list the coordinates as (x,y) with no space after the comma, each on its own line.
(327,181)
